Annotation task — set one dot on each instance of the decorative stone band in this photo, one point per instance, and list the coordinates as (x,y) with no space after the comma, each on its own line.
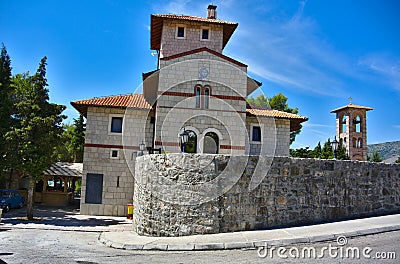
(169,144)
(110,146)
(213,110)
(227,97)
(232,147)
(176,144)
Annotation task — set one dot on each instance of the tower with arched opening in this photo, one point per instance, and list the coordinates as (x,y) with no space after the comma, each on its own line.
(351,129)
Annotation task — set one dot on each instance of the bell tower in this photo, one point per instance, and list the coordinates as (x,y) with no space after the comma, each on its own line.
(351,129)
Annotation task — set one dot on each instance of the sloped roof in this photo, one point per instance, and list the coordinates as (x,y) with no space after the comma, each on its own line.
(158,19)
(116,101)
(295,120)
(62,169)
(222,56)
(351,106)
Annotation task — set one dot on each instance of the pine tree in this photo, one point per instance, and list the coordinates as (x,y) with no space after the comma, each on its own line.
(5,106)
(327,152)
(77,141)
(317,152)
(38,127)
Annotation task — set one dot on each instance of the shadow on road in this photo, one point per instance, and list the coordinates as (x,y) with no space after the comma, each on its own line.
(59,216)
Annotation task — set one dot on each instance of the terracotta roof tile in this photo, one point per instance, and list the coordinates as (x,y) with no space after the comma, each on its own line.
(274,113)
(117,101)
(295,120)
(194,18)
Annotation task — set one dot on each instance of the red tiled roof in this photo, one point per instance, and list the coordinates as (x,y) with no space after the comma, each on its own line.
(157,25)
(295,120)
(195,18)
(352,106)
(274,113)
(222,56)
(117,101)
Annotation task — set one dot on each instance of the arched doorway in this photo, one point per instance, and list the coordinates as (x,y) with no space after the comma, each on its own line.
(211,143)
(191,145)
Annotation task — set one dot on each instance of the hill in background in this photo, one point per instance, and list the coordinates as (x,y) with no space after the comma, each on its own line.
(389,151)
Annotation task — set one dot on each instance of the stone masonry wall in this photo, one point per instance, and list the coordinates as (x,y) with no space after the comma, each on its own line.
(293,192)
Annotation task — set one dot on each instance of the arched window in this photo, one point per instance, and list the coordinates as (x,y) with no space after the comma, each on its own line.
(211,143)
(198,93)
(359,143)
(343,124)
(206,97)
(357,123)
(191,145)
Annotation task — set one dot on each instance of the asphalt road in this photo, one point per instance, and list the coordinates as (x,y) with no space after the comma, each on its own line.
(50,246)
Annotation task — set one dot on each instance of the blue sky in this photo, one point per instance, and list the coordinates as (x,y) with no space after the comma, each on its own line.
(317,53)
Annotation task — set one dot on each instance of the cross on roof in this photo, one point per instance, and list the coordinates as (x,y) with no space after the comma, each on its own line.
(351,100)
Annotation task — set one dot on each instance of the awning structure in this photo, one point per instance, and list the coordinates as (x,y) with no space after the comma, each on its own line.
(65,169)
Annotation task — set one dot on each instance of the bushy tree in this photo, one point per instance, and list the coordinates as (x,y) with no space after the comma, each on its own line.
(277,102)
(398,160)
(375,157)
(319,152)
(38,126)
(305,152)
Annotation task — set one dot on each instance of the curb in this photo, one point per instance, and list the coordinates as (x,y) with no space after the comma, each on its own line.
(244,244)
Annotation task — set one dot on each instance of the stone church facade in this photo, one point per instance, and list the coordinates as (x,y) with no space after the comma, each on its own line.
(195,88)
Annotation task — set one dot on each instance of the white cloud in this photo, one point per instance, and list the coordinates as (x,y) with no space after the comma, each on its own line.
(384,66)
(307,124)
(289,51)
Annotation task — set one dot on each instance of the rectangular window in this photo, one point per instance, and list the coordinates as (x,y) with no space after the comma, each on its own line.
(256,134)
(180,32)
(204,33)
(114,154)
(116,125)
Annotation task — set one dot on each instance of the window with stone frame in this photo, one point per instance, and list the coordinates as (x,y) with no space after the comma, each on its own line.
(256,133)
(205,34)
(198,97)
(206,97)
(181,31)
(116,124)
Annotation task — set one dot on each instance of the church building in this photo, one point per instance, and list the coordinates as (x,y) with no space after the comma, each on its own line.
(196,90)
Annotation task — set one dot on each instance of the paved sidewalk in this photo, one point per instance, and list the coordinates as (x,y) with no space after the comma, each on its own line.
(252,239)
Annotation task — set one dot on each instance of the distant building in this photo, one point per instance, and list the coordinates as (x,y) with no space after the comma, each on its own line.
(351,130)
(194,88)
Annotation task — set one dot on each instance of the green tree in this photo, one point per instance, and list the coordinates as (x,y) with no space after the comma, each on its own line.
(5,106)
(375,157)
(317,152)
(38,127)
(301,152)
(327,152)
(398,160)
(72,142)
(277,102)
(341,153)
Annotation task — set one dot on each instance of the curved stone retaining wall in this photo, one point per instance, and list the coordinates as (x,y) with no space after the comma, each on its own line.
(177,195)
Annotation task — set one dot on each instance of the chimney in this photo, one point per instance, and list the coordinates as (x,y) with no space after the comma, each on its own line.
(212,12)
